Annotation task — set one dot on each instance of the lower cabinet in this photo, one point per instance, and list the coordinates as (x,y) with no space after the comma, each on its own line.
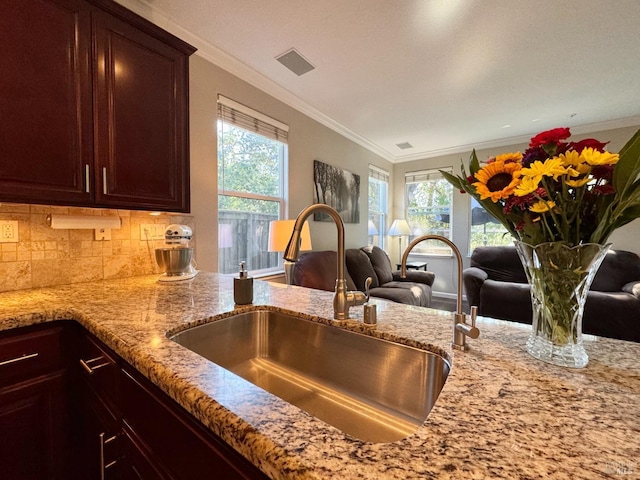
(34,414)
(170,439)
(71,409)
(33,435)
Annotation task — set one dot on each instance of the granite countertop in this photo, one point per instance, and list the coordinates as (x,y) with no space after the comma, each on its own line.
(501,414)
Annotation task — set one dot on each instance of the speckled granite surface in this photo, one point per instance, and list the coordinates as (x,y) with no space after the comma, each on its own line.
(501,414)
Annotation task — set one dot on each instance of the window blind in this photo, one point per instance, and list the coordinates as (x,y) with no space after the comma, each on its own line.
(251,120)
(378,173)
(425,175)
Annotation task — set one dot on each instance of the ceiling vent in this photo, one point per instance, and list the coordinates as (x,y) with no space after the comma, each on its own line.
(404,145)
(295,62)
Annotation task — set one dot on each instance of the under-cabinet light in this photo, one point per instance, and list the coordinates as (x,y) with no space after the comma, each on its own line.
(90,222)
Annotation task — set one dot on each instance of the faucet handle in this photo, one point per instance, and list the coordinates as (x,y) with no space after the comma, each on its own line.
(474,314)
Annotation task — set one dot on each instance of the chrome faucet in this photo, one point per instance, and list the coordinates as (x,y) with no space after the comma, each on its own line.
(461,329)
(342,299)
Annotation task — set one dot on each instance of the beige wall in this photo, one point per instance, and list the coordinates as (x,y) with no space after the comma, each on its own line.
(308,141)
(625,238)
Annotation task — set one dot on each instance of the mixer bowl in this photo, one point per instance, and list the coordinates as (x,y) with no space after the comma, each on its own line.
(174,261)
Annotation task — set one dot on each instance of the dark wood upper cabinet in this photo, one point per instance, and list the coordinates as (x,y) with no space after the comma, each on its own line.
(94,110)
(141,117)
(46,125)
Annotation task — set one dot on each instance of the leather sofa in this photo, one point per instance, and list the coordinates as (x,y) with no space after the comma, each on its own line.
(318,270)
(496,283)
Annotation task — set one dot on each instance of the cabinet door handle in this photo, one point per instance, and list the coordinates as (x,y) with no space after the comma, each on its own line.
(90,368)
(87,179)
(105,188)
(103,466)
(18,359)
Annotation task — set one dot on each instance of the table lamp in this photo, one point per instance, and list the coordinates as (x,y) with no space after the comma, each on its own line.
(400,228)
(280,232)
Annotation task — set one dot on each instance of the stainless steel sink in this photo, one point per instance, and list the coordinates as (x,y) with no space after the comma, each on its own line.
(370,388)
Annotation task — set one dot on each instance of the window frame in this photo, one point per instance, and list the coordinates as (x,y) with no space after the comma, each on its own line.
(380,215)
(240,116)
(505,232)
(429,248)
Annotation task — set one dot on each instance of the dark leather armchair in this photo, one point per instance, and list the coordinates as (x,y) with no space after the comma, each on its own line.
(318,270)
(497,284)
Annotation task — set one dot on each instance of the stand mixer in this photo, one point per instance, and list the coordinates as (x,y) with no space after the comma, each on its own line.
(175,255)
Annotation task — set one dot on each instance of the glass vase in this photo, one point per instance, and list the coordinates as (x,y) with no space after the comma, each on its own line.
(560,277)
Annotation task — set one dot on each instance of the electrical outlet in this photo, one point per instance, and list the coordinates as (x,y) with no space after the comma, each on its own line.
(103,234)
(152,231)
(8,231)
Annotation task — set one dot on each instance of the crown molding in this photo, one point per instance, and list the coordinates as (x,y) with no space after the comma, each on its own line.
(234,66)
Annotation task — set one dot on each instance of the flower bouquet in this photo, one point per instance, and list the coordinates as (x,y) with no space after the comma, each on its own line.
(561,201)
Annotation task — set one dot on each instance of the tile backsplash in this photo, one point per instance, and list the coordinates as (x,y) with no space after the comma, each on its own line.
(45,257)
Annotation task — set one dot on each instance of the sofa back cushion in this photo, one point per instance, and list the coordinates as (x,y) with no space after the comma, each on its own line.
(501,263)
(380,262)
(359,267)
(319,270)
(618,268)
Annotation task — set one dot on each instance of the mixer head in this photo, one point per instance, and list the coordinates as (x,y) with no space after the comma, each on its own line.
(178,234)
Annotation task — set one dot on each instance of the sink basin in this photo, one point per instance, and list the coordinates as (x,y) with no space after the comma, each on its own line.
(372,389)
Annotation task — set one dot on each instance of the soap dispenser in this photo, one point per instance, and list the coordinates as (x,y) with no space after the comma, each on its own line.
(243,287)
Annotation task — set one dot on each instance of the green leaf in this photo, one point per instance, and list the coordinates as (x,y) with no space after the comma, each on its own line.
(453,180)
(474,164)
(628,167)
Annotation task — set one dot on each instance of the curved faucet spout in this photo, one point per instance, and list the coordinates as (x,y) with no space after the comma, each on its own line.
(342,299)
(456,252)
(292,251)
(460,328)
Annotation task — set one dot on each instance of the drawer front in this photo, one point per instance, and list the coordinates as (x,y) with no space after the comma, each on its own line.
(31,351)
(97,367)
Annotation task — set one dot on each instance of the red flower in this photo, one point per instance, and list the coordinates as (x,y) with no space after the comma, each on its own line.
(553,136)
(606,189)
(603,172)
(588,143)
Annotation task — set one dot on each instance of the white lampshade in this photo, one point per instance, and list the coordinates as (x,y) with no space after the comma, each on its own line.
(225,235)
(399,228)
(280,232)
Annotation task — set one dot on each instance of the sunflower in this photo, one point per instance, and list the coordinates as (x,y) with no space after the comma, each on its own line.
(497,180)
(509,157)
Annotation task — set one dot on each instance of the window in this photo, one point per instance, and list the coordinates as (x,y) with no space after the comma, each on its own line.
(378,205)
(429,198)
(486,230)
(252,157)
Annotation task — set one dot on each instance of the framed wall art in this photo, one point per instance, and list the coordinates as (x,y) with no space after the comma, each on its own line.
(337,188)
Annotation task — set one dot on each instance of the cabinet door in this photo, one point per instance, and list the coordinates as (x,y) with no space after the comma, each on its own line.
(33,429)
(141,119)
(46,123)
(178,444)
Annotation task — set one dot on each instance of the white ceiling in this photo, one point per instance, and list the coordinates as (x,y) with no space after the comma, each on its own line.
(443,75)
